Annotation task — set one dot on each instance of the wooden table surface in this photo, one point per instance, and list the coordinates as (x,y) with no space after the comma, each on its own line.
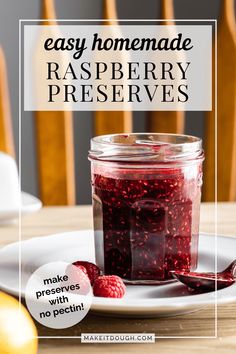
(58,219)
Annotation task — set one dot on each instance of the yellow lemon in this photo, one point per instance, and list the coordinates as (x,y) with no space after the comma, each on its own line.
(17,329)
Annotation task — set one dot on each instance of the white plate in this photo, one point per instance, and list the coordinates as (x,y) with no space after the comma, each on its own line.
(30,204)
(141,301)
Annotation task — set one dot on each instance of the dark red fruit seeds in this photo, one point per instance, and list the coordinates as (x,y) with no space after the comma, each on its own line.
(149,220)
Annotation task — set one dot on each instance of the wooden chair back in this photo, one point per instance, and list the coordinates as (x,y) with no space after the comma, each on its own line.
(226,113)
(55,147)
(111,122)
(6,133)
(166,121)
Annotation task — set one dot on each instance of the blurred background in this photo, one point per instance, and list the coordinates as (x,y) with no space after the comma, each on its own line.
(13,10)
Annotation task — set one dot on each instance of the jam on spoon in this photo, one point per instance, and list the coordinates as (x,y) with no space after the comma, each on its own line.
(207,281)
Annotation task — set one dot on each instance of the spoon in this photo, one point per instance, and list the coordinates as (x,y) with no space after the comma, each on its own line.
(207,281)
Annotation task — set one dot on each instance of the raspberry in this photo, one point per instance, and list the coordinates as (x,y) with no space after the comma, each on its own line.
(78,275)
(109,286)
(92,270)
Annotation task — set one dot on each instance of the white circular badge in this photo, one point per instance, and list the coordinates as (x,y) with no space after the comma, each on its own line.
(58,295)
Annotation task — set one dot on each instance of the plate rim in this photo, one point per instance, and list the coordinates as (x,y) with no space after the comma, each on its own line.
(103,304)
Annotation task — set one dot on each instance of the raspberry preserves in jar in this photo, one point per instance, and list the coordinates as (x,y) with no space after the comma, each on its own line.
(146,198)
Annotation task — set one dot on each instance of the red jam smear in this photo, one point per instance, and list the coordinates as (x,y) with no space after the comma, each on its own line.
(149,221)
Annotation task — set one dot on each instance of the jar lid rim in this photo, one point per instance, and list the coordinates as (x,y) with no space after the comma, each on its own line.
(179,138)
(147,146)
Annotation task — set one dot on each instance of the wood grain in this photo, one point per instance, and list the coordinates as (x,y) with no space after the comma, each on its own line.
(6,133)
(226,97)
(54,136)
(48,12)
(55,148)
(58,219)
(110,122)
(166,121)
(208,188)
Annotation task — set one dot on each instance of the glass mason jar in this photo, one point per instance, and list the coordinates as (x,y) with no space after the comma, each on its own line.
(146,192)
